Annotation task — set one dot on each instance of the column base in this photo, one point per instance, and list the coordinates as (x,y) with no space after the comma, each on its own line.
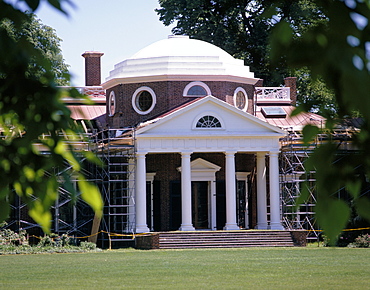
(140,229)
(186,228)
(276,226)
(231,227)
(262,226)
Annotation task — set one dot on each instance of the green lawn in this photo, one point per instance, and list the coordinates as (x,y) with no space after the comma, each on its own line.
(250,268)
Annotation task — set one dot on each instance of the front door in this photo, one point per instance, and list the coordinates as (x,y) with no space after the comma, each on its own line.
(200,205)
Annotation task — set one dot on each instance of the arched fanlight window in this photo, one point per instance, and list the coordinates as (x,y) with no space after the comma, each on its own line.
(196,89)
(208,122)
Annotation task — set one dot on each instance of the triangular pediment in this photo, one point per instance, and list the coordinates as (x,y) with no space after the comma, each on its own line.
(184,121)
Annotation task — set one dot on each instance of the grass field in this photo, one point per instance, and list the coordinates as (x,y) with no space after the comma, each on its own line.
(248,268)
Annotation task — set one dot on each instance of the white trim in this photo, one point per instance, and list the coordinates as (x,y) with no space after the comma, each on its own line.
(150,178)
(192,84)
(112,109)
(240,89)
(133,100)
(158,78)
(203,170)
(243,176)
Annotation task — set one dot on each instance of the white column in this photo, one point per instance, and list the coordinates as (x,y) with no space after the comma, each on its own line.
(275,222)
(230,192)
(140,194)
(261,192)
(186,214)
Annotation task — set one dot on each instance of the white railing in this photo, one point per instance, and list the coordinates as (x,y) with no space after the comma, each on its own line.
(273,94)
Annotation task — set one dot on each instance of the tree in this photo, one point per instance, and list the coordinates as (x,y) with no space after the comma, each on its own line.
(31,106)
(241,27)
(45,40)
(339,53)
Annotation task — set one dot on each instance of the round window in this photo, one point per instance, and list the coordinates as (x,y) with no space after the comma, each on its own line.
(143,100)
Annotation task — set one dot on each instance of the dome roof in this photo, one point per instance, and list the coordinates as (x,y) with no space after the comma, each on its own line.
(182,57)
(181,45)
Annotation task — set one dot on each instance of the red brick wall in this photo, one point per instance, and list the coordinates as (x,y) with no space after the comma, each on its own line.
(168,95)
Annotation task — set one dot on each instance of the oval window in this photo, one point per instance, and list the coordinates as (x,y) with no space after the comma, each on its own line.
(112,103)
(240,99)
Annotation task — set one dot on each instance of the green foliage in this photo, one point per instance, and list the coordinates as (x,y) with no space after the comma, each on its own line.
(336,52)
(44,39)
(32,118)
(242,28)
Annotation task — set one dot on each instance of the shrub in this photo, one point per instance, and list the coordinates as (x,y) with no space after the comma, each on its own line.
(362,241)
(88,246)
(8,237)
(14,243)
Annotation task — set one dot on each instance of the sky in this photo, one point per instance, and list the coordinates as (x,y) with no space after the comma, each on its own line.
(118,28)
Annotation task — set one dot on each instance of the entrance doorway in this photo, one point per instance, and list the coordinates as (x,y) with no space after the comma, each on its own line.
(200,204)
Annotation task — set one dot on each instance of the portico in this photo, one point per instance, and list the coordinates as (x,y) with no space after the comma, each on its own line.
(253,137)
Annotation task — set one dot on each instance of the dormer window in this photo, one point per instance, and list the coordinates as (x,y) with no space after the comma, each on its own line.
(208,122)
(196,89)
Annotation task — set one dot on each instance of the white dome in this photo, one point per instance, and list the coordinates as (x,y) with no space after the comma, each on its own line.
(181,45)
(180,56)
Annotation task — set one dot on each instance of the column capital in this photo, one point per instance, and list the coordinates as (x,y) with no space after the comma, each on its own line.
(274,153)
(230,153)
(141,153)
(260,154)
(186,153)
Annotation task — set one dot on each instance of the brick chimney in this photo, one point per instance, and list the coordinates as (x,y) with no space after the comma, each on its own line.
(291,82)
(92,68)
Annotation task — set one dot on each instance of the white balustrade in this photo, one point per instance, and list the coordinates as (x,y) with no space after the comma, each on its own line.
(273,94)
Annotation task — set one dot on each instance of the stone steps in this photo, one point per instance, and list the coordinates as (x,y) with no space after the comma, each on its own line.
(224,239)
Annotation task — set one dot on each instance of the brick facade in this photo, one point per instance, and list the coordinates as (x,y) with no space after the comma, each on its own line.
(169,94)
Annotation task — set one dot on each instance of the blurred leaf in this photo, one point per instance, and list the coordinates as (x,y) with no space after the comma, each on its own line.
(354,187)
(40,215)
(332,215)
(362,205)
(91,194)
(309,133)
(4,209)
(33,4)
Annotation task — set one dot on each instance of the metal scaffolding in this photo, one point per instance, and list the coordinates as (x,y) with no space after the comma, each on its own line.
(71,215)
(116,180)
(293,179)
